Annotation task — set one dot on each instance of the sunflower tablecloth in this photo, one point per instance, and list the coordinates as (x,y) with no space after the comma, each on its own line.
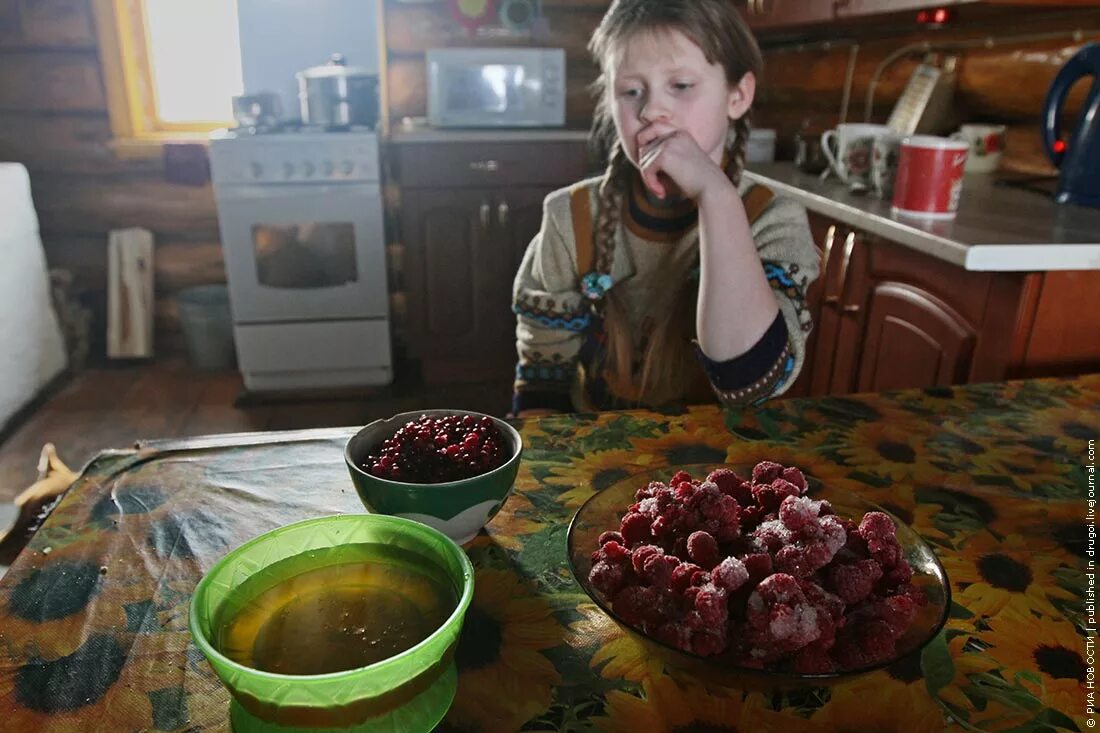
(93,615)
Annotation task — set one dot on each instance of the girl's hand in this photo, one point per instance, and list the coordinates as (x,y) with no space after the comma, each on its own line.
(670,159)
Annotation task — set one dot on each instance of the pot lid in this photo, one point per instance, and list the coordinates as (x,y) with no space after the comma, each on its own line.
(336,67)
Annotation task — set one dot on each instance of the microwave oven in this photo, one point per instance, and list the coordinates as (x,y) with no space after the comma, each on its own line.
(496,87)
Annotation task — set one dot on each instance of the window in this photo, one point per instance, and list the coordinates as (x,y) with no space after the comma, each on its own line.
(171,67)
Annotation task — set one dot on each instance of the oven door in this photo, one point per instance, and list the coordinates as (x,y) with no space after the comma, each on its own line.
(304,252)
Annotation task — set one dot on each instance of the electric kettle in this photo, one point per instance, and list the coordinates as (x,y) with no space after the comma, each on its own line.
(1079,157)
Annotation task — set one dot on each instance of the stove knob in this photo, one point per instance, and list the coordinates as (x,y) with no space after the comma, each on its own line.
(327,167)
(347,167)
(255,170)
(307,169)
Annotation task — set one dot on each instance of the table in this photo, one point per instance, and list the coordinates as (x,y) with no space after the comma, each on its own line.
(93,615)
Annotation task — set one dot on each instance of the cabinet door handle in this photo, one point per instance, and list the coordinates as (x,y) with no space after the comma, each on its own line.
(483,215)
(851,308)
(502,213)
(485,166)
(826,255)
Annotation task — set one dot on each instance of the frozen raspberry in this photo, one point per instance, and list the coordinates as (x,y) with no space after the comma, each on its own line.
(774,590)
(876,641)
(732,485)
(826,510)
(631,603)
(853,583)
(771,495)
(802,561)
(766,471)
(794,476)
(797,511)
(614,551)
(684,491)
(751,517)
(649,508)
(774,534)
(898,612)
(639,555)
(709,642)
(649,490)
(606,578)
(759,565)
(833,533)
(727,512)
(635,529)
(730,574)
(710,602)
(825,601)
(914,593)
(657,570)
(678,477)
(703,549)
(897,576)
(876,526)
(609,536)
(813,659)
(675,634)
(684,576)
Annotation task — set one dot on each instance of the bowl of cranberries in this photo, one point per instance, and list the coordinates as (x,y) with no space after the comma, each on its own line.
(757,577)
(449,469)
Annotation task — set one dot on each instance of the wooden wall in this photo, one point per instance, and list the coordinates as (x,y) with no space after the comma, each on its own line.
(1004,84)
(53,119)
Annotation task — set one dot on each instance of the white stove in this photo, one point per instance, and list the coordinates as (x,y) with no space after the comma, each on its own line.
(300,214)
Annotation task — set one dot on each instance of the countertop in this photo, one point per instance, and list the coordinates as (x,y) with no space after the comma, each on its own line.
(93,613)
(418,134)
(997,228)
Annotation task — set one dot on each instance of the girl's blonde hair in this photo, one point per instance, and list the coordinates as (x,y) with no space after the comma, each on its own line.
(667,365)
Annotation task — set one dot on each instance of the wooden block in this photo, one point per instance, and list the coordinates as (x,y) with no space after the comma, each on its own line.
(130,294)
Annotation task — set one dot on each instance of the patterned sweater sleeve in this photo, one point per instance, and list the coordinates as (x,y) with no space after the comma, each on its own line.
(551,314)
(791,262)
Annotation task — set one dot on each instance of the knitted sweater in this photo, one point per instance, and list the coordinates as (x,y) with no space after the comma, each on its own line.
(559,333)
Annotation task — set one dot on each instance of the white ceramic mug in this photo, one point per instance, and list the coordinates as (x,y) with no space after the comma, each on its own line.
(987,144)
(854,143)
(884,164)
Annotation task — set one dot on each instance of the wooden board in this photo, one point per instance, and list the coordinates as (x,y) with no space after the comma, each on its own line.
(130,293)
(56,23)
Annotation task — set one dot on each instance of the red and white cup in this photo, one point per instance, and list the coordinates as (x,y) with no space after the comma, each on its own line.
(930,176)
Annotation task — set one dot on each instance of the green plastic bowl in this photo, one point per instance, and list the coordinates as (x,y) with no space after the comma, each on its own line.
(411,691)
(458,509)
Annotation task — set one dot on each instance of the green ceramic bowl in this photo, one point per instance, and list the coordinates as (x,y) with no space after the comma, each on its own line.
(458,509)
(411,691)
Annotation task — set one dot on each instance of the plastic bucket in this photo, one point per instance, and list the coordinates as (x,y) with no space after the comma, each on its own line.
(207,326)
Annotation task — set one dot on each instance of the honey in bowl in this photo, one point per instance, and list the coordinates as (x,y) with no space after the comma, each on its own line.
(334,609)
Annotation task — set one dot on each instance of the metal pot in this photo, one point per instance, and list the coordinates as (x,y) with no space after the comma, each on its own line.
(337,95)
(256,110)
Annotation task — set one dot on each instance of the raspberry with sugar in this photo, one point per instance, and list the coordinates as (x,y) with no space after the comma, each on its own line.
(771,495)
(658,569)
(798,511)
(730,574)
(606,578)
(759,565)
(794,475)
(779,589)
(632,602)
(710,602)
(703,549)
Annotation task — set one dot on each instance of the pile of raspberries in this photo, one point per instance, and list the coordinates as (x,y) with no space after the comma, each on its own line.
(754,570)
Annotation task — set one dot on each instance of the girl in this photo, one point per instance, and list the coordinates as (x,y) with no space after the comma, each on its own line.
(668,243)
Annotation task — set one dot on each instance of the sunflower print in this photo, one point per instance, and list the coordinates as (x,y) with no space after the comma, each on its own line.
(1052,649)
(682,447)
(504,678)
(991,575)
(670,708)
(888,450)
(1071,429)
(899,707)
(516,520)
(576,482)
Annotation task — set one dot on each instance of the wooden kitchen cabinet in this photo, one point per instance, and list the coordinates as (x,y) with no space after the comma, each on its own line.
(467,214)
(887,316)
